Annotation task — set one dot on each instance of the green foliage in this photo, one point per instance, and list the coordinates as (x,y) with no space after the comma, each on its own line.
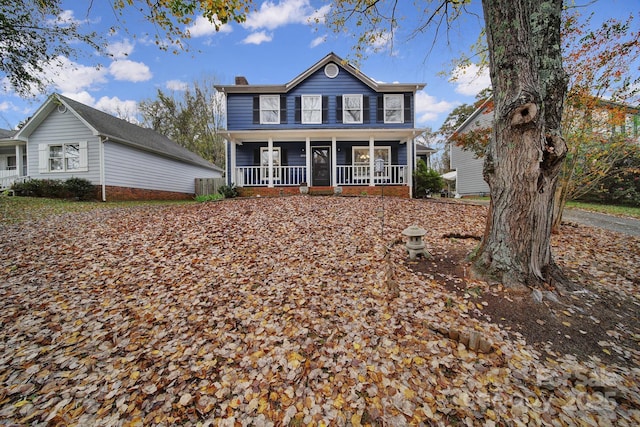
(53,188)
(33,37)
(621,186)
(80,188)
(209,197)
(228,191)
(426,179)
(34,33)
(193,118)
(76,188)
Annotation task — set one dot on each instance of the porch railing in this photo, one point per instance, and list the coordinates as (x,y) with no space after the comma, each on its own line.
(360,175)
(258,176)
(6,181)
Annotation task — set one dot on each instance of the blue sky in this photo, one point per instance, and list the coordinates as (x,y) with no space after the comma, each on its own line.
(274,45)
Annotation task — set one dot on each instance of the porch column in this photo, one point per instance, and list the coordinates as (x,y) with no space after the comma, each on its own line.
(270,158)
(410,163)
(307,150)
(19,162)
(334,161)
(372,163)
(233,176)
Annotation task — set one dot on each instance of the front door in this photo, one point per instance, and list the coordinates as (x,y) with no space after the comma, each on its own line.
(321,166)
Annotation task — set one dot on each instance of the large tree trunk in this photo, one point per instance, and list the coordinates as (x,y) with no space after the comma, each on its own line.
(526,150)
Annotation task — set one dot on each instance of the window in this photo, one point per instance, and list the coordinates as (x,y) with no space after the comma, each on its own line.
(269,109)
(352,108)
(12,163)
(361,155)
(64,157)
(311,109)
(264,162)
(393,108)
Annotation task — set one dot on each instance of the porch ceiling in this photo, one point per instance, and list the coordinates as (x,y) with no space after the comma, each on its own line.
(403,135)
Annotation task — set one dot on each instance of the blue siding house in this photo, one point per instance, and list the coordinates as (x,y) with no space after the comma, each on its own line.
(331,128)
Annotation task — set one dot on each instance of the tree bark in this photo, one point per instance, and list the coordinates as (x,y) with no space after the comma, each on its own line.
(525,154)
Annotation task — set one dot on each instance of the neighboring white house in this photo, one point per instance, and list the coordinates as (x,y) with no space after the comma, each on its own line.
(469,179)
(467,164)
(66,138)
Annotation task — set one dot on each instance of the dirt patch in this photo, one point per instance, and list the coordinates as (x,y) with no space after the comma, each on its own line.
(590,322)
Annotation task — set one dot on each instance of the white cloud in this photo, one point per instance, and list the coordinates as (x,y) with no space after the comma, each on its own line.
(272,16)
(124,109)
(5,106)
(203,27)
(428,108)
(176,85)
(318,41)
(258,38)
(131,71)
(82,96)
(120,49)
(470,80)
(69,76)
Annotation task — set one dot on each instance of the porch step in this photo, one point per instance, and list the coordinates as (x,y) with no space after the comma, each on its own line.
(321,191)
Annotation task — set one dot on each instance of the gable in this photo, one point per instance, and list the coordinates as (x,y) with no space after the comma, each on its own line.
(331,67)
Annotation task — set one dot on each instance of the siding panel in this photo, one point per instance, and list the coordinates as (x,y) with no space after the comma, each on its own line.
(129,167)
(240,107)
(60,128)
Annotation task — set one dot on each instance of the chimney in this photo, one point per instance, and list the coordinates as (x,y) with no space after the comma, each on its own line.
(241,80)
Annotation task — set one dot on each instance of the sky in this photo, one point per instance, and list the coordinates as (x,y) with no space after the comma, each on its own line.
(278,41)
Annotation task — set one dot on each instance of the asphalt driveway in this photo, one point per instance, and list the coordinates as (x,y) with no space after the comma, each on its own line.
(626,225)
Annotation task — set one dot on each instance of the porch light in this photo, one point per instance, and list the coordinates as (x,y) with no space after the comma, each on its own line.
(415,246)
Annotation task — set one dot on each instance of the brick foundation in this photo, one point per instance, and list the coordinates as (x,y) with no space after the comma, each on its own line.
(125,194)
(389,190)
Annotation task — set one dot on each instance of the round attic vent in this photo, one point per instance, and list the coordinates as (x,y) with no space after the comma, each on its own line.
(331,70)
(62,108)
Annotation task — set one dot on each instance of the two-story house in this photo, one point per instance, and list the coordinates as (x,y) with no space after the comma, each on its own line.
(331,128)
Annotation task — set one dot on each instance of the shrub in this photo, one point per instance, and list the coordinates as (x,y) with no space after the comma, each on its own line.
(426,179)
(228,191)
(53,188)
(209,197)
(80,188)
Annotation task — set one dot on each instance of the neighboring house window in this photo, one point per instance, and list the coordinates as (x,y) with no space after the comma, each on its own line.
(311,109)
(393,108)
(12,163)
(352,108)
(264,162)
(269,109)
(70,157)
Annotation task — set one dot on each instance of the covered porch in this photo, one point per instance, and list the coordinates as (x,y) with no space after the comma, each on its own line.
(13,162)
(321,159)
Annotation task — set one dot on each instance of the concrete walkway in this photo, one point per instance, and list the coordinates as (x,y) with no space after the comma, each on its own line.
(625,225)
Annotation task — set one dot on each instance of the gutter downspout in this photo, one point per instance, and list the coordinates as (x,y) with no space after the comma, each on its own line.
(103,184)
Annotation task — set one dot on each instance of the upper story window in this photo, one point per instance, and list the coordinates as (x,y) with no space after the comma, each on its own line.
(394,108)
(269,109)
(311,109)
(352,108)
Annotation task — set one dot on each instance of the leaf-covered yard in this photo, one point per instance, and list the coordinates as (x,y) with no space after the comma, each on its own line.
(285,311)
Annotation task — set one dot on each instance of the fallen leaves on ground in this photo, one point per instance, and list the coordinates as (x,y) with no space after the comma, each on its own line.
(270,312)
